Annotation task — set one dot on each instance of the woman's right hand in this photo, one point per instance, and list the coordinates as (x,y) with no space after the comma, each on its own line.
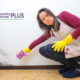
(22,53)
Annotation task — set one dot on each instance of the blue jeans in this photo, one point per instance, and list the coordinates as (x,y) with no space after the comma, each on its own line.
(48,52)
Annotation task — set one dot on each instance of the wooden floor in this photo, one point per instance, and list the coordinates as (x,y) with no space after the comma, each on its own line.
(32,75)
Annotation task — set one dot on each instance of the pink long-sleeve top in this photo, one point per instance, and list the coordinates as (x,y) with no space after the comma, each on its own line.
(69,19)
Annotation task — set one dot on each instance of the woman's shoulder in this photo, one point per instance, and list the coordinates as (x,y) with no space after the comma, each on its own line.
(64,16)
(64,13)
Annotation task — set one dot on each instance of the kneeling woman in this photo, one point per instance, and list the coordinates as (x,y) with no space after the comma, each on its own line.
(65,27)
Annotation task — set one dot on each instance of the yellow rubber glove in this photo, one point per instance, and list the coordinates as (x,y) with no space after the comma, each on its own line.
(59,45)
(26,50)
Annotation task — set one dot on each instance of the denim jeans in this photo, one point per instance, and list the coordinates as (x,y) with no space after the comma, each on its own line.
(48,52)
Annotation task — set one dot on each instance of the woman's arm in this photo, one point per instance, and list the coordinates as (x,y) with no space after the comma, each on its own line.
(41,39)
(73,21)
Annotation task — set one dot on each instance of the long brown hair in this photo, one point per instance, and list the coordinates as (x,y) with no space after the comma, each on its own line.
(42,25)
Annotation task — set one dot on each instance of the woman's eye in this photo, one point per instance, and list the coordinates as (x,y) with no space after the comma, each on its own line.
(46,14)
(45,17)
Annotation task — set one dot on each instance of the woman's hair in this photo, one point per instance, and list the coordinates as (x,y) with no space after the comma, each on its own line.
(41,24)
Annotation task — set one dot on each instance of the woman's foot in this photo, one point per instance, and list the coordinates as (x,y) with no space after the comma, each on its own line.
(63,69)
(71,73)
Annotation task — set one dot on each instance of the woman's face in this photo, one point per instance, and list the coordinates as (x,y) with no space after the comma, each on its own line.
(46,18)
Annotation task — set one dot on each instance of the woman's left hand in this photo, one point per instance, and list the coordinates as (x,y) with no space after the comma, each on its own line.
(59,45)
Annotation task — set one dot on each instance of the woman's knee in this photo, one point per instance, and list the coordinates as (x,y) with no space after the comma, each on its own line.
(41,50)
(45,49)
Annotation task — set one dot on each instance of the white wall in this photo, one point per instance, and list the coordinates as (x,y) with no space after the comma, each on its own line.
(17,34)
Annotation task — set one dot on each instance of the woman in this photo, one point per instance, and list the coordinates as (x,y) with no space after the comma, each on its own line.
(65,27)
